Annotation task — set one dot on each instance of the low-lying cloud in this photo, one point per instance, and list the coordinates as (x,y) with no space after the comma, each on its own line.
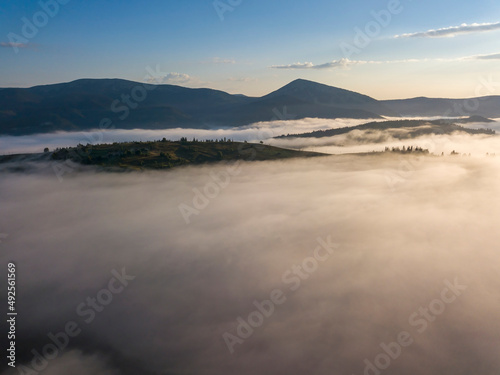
(405,228)
(363,141)
(262,131)
(254,132)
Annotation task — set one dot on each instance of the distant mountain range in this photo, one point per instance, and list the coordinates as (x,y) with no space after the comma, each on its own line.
(114,103)
(488,106)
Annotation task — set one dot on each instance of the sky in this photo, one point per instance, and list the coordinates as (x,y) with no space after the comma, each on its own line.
(387,49)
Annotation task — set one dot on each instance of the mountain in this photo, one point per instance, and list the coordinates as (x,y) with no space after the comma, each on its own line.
(487,106)
(114,103)
(323,96)
(83,104)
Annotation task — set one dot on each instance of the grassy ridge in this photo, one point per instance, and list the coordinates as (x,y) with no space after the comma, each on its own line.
(168,154)
(414,128)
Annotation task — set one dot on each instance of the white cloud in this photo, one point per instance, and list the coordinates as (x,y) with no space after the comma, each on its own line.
(346,63)
(177,78)
(174,78)
(342,63)
(453,31)
(306,65)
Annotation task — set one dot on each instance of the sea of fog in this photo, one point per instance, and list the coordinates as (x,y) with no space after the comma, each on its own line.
(262,131)
(342,264)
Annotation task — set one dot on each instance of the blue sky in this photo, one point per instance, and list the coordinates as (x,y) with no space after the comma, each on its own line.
(254,47)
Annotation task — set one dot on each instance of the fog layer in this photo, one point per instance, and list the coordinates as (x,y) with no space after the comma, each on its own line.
(254,132)
(377,240)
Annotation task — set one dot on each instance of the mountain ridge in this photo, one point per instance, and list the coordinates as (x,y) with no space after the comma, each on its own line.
(95,103)
(487,106)
(83,104)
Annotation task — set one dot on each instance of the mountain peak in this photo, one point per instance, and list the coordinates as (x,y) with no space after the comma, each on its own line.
(305,87)
(323,95)
(304,83)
